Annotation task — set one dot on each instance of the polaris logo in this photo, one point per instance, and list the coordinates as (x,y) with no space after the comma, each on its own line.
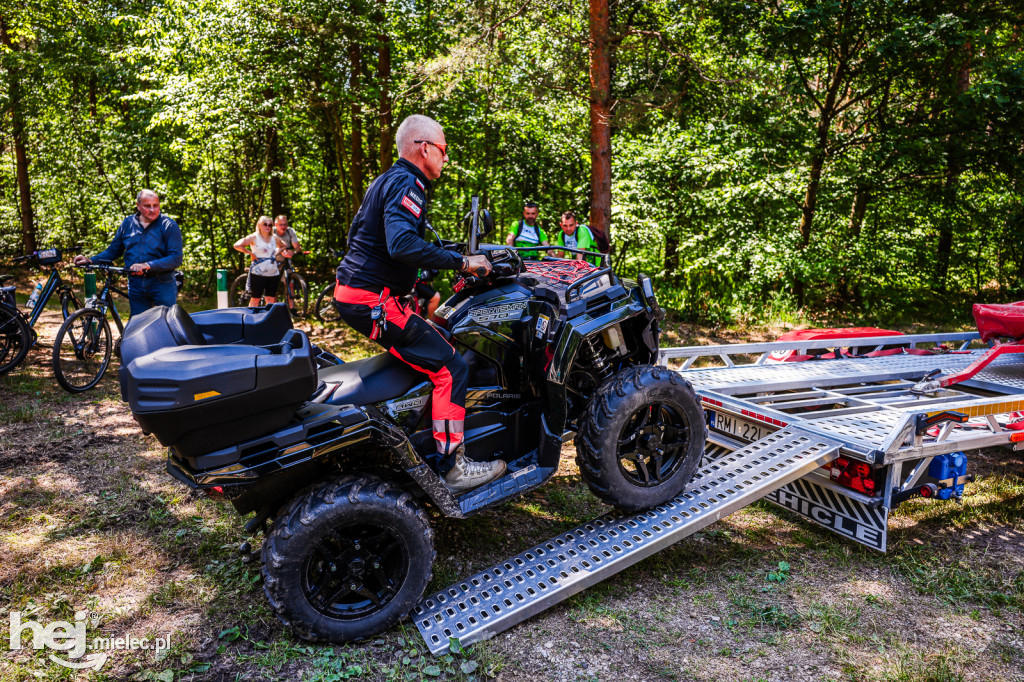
(394,409)
(498,313)
(498,395)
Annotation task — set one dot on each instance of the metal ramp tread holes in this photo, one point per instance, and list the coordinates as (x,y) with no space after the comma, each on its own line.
(508,593)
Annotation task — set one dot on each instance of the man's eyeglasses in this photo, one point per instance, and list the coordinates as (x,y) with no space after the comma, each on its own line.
(443,148)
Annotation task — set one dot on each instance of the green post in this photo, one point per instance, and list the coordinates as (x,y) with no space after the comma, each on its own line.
(222,289)
(90,285)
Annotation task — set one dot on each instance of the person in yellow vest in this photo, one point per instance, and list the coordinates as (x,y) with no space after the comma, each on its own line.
(576,236)
(526,231)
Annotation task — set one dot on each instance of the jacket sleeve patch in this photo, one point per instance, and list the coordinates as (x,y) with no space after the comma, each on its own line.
(411,206)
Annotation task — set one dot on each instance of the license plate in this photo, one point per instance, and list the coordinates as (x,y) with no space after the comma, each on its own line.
(740,428)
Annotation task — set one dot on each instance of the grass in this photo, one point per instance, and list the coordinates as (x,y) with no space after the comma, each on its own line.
(959,580)
(941,666)
(97,524)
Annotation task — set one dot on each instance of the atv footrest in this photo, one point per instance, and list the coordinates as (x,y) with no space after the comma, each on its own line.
(508,485)
(508,593)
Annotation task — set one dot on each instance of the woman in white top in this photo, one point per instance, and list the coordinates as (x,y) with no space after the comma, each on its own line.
(262,247)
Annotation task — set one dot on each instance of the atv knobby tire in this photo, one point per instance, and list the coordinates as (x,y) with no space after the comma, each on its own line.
(641,439)
(347,559)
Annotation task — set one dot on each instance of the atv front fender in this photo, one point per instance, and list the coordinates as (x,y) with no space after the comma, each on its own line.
(570,339)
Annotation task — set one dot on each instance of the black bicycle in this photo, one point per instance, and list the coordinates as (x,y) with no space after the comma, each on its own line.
(15,334)
(82,349)
(323,309)
(17,330)
(296,291)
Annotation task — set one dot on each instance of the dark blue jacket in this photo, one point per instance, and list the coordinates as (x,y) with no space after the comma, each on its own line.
(159,244)
(386,247)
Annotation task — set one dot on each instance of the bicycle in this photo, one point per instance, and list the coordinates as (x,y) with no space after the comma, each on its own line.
(323,309)
(17,330)
(296,289)
(15,334)
(82,349)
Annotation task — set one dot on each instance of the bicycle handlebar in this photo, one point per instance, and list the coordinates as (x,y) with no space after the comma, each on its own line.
(108,268)
(35,254)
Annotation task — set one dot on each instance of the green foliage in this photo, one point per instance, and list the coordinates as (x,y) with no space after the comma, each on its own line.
(859,158)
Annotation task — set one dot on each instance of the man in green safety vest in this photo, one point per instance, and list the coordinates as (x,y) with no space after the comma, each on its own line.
(576,236)
(526,232)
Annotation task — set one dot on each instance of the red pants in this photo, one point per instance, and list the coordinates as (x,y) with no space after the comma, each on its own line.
(413,341)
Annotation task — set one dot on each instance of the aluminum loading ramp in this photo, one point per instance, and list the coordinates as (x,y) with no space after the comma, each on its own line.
(506,594)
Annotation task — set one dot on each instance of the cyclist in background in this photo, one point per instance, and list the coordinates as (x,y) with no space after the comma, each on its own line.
(423,289)
(576,236)
(526,231)
(288,236)
(151,245)
(262,246)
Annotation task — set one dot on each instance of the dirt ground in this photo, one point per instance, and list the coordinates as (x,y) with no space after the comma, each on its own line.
(91,522)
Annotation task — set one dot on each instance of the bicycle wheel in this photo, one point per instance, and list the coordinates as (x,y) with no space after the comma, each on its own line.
(324,309)
(81,351)
(69,303)
(15,338)
(238,293)
(298,294)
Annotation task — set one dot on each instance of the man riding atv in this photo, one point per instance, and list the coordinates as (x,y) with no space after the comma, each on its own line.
(386,250)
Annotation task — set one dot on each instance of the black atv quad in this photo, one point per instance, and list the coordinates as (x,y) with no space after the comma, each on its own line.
(339,457)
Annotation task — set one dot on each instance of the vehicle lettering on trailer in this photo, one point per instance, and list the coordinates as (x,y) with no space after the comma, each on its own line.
(498,313)
(740,428)
(838,513)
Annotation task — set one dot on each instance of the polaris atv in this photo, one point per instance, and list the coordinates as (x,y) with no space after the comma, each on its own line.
(340,459)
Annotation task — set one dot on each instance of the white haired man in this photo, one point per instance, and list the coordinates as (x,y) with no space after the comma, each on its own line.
(151,245)
(386,249)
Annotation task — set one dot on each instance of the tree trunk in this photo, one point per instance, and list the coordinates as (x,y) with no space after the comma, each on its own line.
(274,163)
(28,229)
(861,199)
(951,185)
(600,118)
(356,161)
(672,258)
(385,120)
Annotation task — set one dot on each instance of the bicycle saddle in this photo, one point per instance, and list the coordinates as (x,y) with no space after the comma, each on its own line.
(4,278)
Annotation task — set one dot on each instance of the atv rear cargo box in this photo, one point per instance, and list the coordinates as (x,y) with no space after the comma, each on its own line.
(197,399)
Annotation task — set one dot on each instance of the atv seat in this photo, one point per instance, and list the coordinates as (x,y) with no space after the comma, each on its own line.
(368,381)
(166,327)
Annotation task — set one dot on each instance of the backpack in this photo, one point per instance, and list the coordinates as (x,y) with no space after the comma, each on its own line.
(600,238)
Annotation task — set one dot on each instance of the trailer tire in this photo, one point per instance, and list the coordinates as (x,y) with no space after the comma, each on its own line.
(642,438)
(347,559)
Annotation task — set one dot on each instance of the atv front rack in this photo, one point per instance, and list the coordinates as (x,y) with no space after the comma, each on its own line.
(505,594)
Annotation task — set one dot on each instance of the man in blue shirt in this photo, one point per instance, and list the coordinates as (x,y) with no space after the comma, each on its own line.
(151,246)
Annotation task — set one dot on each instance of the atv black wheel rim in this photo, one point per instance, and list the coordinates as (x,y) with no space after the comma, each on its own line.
(355,571)
(653,444)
